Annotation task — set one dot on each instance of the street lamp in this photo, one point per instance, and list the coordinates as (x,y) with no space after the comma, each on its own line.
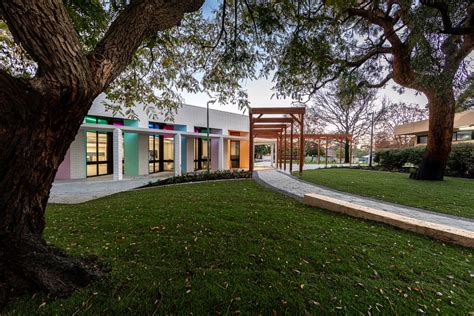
(208,139)
(371,140)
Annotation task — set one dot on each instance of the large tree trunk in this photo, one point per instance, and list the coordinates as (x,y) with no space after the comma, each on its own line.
(347,151)
(440,134)
(35,133)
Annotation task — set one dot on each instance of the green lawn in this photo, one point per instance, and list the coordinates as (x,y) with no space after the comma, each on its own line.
(237,247)
(453,196)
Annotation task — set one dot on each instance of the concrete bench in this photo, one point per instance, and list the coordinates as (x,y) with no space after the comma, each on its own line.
(438,231)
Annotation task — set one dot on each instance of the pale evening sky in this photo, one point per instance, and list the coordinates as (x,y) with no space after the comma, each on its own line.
(260,91)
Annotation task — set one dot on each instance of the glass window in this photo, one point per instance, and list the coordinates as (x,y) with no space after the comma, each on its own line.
(200,153)
(151,150)
(235,153)
(90,119)
(160,153)
(103,169)
(154,153)
(234,148)
(204,149)
(102,147)
(422,139)
(91,146)
(168,149)
(168,166)
(98,146)
(91,170)
(464,135)
(196,148)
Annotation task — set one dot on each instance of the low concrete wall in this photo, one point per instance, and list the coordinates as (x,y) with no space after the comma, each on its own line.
(437,231)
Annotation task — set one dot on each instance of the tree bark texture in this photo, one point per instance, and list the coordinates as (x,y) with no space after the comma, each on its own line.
(39,118)
(347,150)
(440,135)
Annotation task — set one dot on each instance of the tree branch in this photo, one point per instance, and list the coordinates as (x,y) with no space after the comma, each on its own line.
(362,59)
(140,20)
(456,54)
(402,73)
(379,84)
(44,29)
(448,27)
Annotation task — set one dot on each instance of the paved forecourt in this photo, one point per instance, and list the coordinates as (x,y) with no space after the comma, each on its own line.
(83,190)
(439,226)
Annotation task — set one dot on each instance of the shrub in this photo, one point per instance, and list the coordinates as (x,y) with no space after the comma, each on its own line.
(460,162)
(203,176)
(391,158)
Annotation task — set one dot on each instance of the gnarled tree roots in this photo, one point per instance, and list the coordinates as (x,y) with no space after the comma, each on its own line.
(30,265)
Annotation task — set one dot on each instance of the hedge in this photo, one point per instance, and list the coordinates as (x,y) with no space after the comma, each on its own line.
(460,162)
(203,176)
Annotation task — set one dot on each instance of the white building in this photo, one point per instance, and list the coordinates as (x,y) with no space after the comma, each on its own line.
(107,144)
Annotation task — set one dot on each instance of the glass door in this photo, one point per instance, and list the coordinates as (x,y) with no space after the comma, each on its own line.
(98,153)
(153,154)
(235,153)
(201,153)
(168,154)
(160,153)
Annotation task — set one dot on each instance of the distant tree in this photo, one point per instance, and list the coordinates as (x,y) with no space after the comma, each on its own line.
(346,111)
(311,149)
(397,114)
(465,100)
(261,150)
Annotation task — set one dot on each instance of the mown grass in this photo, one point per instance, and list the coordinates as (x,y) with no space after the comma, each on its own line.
(236,247)
(453,196)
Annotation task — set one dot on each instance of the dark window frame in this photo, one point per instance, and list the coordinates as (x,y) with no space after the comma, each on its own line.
(465,132)
(418,138)
(160,162)
(108,162)
(234,158)
(199,160)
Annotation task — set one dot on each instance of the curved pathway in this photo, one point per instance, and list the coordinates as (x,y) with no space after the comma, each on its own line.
(297,188)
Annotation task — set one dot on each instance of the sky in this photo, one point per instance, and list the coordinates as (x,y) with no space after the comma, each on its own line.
(260,91)
(260,95)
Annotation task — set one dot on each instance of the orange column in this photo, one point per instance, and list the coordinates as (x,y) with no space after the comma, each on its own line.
(301,145)
(291,148)
(340,151)
(250,141)
(327,140)
(280,150)
(350,152)
(284,153)
(319,149)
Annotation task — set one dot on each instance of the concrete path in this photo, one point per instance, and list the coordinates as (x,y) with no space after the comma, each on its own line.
(307,166)
(83,190)
(294,187)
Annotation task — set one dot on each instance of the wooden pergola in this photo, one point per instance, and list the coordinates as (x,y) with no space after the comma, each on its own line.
(263,126)
(327,137)
(277,128)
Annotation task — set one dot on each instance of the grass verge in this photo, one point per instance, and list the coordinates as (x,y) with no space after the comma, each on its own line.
(453,196)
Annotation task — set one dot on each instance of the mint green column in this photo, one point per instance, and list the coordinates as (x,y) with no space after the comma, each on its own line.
(131,150)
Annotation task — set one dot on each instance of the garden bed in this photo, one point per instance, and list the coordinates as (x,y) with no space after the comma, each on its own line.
(203,176)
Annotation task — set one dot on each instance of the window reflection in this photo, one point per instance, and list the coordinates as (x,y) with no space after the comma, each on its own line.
(201,153)
(98,148)
(160,153)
